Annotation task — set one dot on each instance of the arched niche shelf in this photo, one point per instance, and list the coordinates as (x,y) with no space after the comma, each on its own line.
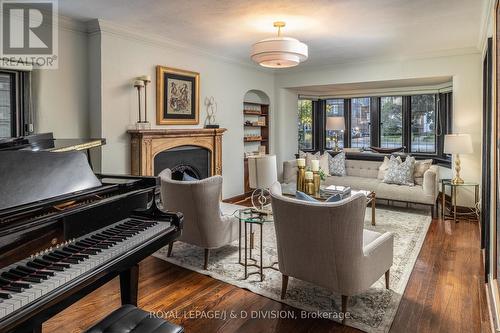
(256,130)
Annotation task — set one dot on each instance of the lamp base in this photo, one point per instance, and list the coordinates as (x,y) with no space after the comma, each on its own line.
(457,180)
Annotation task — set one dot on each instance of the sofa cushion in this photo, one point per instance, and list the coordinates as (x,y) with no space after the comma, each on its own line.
(336,165)
(324,163)
(356,183)
(358,168)
(403,193)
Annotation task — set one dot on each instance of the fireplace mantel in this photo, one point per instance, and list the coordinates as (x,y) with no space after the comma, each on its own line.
(145,144)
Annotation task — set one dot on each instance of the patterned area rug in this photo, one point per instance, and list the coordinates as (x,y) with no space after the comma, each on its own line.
(371,311)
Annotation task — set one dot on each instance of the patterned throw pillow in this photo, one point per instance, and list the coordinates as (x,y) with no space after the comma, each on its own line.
(309,157)
(337,165)
(400,173)
(420,168)
(324,163)
(382,169)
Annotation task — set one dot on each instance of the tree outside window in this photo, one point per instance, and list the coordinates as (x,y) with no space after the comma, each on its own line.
(391,122)
(423,124)
(305,124)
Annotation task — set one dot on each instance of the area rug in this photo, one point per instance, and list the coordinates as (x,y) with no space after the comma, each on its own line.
(371,311)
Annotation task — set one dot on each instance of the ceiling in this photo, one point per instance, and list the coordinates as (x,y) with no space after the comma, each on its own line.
(337,31)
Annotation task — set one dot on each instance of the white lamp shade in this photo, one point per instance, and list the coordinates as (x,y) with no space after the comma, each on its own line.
(262,171)
(457,144)
(279,52)
(335,123)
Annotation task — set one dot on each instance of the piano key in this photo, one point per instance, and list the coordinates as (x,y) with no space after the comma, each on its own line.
(5,294)
(12,288)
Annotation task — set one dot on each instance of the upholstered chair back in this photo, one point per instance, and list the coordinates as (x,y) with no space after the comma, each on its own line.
(199,201)
(320,242)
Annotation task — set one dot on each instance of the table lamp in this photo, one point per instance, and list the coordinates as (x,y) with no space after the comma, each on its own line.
(262,173)
(457,144)
(335,124)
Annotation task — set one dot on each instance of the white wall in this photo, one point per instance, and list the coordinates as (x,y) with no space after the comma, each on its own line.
(61,100)
(124,57)
(467,99)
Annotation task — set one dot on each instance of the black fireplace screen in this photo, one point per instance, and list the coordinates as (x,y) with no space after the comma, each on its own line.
(192,160)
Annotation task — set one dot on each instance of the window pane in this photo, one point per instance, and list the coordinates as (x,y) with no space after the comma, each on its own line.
(391,122)
(423,121)
(334,108)
(305,125)
(5,105)
(360,122)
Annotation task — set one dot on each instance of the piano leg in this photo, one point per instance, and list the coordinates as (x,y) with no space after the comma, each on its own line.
(129,283)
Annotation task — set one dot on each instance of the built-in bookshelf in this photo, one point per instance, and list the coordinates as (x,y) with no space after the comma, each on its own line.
(256,133)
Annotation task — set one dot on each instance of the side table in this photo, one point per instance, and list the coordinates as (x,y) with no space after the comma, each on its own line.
(453,203)
(249,217)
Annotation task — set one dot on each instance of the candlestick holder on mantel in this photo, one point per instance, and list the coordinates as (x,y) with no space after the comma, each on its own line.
(139,83)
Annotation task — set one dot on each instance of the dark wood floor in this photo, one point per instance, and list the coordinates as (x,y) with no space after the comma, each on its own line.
(445,293)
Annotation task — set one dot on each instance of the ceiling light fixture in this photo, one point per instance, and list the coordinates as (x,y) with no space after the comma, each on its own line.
(279,52)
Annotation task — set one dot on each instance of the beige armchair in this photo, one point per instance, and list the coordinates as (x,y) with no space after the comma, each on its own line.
(326,244)
(208,222)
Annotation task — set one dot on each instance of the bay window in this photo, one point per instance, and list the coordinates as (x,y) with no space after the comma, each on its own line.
(360,122)
(391,122)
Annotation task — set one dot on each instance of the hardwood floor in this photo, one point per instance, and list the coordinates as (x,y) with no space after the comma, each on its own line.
(445,293)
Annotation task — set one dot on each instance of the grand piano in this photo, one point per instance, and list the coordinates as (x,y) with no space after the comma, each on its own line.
(65,231)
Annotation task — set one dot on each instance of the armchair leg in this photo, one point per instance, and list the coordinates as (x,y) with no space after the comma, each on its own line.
(344,307)
(387,279)
(207,255)
(170,246)
(284,285)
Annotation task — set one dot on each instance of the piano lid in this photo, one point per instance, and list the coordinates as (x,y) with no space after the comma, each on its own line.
(27,176)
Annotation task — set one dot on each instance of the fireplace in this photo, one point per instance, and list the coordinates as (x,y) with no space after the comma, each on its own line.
(192,160)
(197,151)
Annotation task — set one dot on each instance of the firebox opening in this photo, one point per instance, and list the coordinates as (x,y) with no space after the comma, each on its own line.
(192,160)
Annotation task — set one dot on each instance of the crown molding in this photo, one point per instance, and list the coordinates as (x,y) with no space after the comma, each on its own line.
(486,22)
(106,27)
(377,60)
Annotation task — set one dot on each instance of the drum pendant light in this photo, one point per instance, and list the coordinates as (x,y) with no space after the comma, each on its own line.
(279,52)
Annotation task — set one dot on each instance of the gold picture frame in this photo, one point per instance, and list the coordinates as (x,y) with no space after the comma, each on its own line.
(177,96)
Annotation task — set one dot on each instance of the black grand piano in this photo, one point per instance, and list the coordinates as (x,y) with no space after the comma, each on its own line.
(65,231)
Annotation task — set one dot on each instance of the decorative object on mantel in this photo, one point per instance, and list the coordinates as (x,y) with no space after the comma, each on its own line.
(457,144)
(279,52)
(140,124)
(335,124)
(262,173)
(147,80)
(177,96)
(211,106)
(146,144)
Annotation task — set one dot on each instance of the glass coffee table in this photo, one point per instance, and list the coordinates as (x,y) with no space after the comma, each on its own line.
(248,217)
(289,189)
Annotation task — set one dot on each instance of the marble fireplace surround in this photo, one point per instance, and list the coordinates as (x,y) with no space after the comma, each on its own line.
(146,144)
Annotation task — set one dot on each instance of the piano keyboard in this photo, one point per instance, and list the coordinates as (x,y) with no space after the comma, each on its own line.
(28,280)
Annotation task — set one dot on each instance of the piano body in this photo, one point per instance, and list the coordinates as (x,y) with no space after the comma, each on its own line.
(65,231)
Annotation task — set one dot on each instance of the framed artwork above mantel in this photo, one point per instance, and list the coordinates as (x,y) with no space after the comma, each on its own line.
(177,96)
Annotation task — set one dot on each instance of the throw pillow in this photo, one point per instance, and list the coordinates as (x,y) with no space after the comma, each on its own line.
(336,165)
(400,173)
(334,198)
(382,169)
(309,157)
(188,178)
(324,163)
(420,168)
(302,196)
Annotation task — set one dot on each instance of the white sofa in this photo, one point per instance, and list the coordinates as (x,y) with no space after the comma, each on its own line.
(362,175)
